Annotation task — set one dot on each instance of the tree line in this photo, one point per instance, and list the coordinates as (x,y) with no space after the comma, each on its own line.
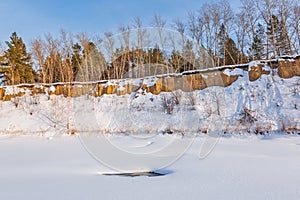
(259,29)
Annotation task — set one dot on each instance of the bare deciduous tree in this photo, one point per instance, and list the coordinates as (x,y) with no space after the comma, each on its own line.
(241,33)
(251,17)
(295,26)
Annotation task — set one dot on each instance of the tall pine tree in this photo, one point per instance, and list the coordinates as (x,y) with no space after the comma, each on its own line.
(221,45)
(231,52)
(76,59)
(282,39)
(17,57)
(228,52)
(257,47)
(277,39)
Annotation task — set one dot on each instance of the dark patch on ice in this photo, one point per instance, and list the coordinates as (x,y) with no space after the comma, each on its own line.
(136,174)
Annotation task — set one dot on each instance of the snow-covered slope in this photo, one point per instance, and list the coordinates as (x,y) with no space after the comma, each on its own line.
(265,105)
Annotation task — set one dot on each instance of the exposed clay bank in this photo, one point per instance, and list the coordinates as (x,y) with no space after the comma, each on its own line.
(286,67)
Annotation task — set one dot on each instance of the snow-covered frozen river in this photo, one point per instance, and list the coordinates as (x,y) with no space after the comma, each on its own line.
(237,168)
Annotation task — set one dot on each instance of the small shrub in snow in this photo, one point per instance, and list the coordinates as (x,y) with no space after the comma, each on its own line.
(204,130)
(167,103)
(34,100)
(16,101)
(72,131)
(169,131)
(247,116)
(295,91)
(177,95)
(208,109)
(192,99)
(294,129)
(290,126)
(262,130)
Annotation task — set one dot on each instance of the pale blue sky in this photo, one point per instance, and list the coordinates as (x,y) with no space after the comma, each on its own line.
(32,18)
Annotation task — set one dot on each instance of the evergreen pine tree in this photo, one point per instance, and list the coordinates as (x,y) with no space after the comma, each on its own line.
(177,61)
(257,47)
(231,52)
(228,52)
(93,64)
(221,44)
(271,37)
(277,41)
(20,61)
(76,59)
(282,40)
(157,55)
(188,56)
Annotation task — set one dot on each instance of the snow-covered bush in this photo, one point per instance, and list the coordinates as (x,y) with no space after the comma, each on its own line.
(15,101)
(247,117)
(191,99)
(262,129)
(168,103)
(177,96)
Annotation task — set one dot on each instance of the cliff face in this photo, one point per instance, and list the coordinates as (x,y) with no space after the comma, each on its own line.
(286,67)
